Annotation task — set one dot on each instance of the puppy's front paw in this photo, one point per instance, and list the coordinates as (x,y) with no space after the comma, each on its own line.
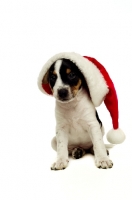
(61,163)
(103,163)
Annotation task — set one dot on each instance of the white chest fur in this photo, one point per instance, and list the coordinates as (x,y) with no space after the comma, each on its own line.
(75,118)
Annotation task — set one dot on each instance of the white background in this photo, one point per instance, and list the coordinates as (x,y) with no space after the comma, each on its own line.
(31,31)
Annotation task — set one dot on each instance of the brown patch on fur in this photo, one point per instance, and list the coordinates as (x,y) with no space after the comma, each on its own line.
(75,88)
(45,78)
(68,70)
(54,72)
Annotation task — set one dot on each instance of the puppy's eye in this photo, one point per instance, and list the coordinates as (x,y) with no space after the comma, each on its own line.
(71,75)
(53,77)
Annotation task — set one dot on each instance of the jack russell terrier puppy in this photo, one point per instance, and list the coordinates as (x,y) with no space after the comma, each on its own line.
(78,127)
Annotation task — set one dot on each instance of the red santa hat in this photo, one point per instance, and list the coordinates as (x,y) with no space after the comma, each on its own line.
(100,86)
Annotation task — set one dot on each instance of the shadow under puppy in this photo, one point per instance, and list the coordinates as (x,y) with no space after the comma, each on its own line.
(78,127)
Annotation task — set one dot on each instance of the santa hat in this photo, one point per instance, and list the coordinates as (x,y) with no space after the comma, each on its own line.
(100,86)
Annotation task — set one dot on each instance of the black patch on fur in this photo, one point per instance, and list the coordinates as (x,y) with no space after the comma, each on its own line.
(52,77)
(97,116)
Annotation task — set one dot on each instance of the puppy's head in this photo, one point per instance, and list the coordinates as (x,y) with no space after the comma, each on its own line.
(65,80)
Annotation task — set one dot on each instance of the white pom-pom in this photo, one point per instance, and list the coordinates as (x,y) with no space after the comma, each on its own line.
(116,136)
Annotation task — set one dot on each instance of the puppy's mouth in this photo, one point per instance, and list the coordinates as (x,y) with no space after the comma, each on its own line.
(65,100)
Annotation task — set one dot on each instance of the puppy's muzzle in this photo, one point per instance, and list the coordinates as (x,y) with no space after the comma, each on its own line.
(63,93)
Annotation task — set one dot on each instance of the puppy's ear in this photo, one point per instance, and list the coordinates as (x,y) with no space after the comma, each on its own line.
(45,78)
(45,84)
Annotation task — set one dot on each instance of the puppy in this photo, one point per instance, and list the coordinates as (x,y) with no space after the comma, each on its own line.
(78,127)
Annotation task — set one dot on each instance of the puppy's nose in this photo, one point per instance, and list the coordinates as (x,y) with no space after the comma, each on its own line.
(63,93)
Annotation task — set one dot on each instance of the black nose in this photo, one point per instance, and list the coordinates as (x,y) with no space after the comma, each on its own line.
(63,93)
